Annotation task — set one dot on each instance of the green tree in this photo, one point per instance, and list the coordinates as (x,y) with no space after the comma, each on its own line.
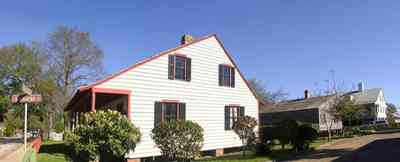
(103,135)
(244,128)
(390,114)
(24,63)
(348,110)
(179,140)
(268,96)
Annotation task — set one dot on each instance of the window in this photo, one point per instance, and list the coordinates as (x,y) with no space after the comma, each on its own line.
(232,114)
(168,111)
(226,76)
(179,67)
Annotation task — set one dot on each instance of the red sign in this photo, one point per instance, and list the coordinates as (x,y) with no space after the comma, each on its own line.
(26,99)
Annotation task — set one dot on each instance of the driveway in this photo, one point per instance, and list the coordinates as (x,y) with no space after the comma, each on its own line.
(371,148)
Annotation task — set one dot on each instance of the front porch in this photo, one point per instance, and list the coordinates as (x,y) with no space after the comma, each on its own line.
(94,99)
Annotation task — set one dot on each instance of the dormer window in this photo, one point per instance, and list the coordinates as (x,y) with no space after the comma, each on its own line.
(179,67)
(226,76)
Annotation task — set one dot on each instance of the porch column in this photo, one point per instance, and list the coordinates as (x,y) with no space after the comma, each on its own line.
(93,109)
(73,120)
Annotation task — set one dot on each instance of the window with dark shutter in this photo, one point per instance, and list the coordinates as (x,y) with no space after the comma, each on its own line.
(168,111)
(232,114)
(226,76)
(182,111)
(188,69)
(227,118)
(220,75)
(158,111)
(171,67)
(179,67)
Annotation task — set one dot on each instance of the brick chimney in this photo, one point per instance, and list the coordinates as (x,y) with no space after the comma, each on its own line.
(186,39)
(306,94)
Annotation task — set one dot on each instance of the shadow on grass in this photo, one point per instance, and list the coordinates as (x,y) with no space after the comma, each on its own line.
(54,148)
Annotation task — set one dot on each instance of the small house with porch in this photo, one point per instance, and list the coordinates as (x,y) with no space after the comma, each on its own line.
(198,81)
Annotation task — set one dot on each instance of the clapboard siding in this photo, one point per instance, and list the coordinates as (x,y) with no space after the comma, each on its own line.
(204,98)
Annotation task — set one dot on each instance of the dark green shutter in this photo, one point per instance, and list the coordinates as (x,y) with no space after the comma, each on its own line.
(171,67)
(241,111)
(232,77)
(227,118)
(157,113)
(221,75)
(188,69)
(182,111)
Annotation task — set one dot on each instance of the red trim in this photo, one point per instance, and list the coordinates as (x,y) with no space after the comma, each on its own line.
(178,54)
(111,91)
(93,109)
(167,52)
(129,106)
(227,65)
(238,105)
(144,61)
(169,101)
(115,91)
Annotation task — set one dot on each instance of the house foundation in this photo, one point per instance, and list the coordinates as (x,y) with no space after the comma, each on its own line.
(219,152)
(133,160)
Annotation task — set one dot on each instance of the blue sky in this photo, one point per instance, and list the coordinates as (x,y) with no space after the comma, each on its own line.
(287,44)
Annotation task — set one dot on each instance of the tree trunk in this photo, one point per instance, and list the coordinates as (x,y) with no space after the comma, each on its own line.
(329,134)
(50,123)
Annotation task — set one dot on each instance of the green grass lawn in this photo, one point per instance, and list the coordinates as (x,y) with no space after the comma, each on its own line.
(52,151)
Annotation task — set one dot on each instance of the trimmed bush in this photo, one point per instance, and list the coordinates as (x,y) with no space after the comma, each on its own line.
(286,132)
(305,135)
(103,135)
(244,128)
(179,140)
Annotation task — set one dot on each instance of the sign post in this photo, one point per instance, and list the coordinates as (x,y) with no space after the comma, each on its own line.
(25,124)
(25,98)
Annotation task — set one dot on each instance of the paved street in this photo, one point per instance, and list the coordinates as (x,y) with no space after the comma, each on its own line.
(9,148)
(371,148)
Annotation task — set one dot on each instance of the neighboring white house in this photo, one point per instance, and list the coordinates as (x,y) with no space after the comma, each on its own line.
(310,110)
(197,81)
(374,100)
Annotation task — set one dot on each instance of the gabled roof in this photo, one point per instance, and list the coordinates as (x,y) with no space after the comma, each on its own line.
(297,104)
(368,96)
(83,88)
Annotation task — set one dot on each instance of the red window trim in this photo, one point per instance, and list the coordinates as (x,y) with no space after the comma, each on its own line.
(234,105)
(174,67)
(169,102)
(230,75)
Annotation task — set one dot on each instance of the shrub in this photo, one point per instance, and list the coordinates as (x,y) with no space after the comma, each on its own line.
(102,135)
(12,122)
(305,135)
(179,140)
(244,128)
(286,131)
(59,127)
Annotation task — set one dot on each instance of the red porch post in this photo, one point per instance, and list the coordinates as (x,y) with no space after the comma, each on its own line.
(93,109)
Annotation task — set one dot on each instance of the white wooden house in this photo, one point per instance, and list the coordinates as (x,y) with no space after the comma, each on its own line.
(197,81)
